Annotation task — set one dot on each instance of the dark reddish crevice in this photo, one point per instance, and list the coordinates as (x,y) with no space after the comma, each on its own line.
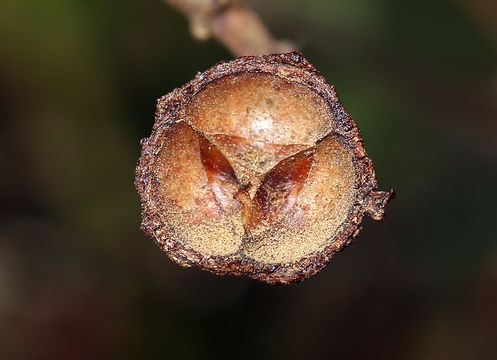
(220,173)
(280,188)
(217,166)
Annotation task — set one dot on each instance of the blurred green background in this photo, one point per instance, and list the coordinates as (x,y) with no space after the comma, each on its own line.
(78,279)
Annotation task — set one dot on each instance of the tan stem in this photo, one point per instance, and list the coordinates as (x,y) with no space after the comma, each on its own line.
(233,24)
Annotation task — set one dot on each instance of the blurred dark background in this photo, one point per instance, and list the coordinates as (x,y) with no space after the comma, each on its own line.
(78,279)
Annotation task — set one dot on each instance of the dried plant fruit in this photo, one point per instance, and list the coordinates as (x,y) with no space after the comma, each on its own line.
(254,168)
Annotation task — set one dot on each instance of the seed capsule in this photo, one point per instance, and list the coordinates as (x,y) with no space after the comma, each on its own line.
(254,168)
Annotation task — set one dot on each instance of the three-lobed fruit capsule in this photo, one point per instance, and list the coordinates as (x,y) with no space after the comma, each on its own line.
(254,168)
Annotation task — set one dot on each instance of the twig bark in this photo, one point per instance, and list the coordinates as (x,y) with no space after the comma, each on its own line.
(233,24)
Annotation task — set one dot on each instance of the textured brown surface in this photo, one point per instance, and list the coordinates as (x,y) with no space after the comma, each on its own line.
(254,168)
